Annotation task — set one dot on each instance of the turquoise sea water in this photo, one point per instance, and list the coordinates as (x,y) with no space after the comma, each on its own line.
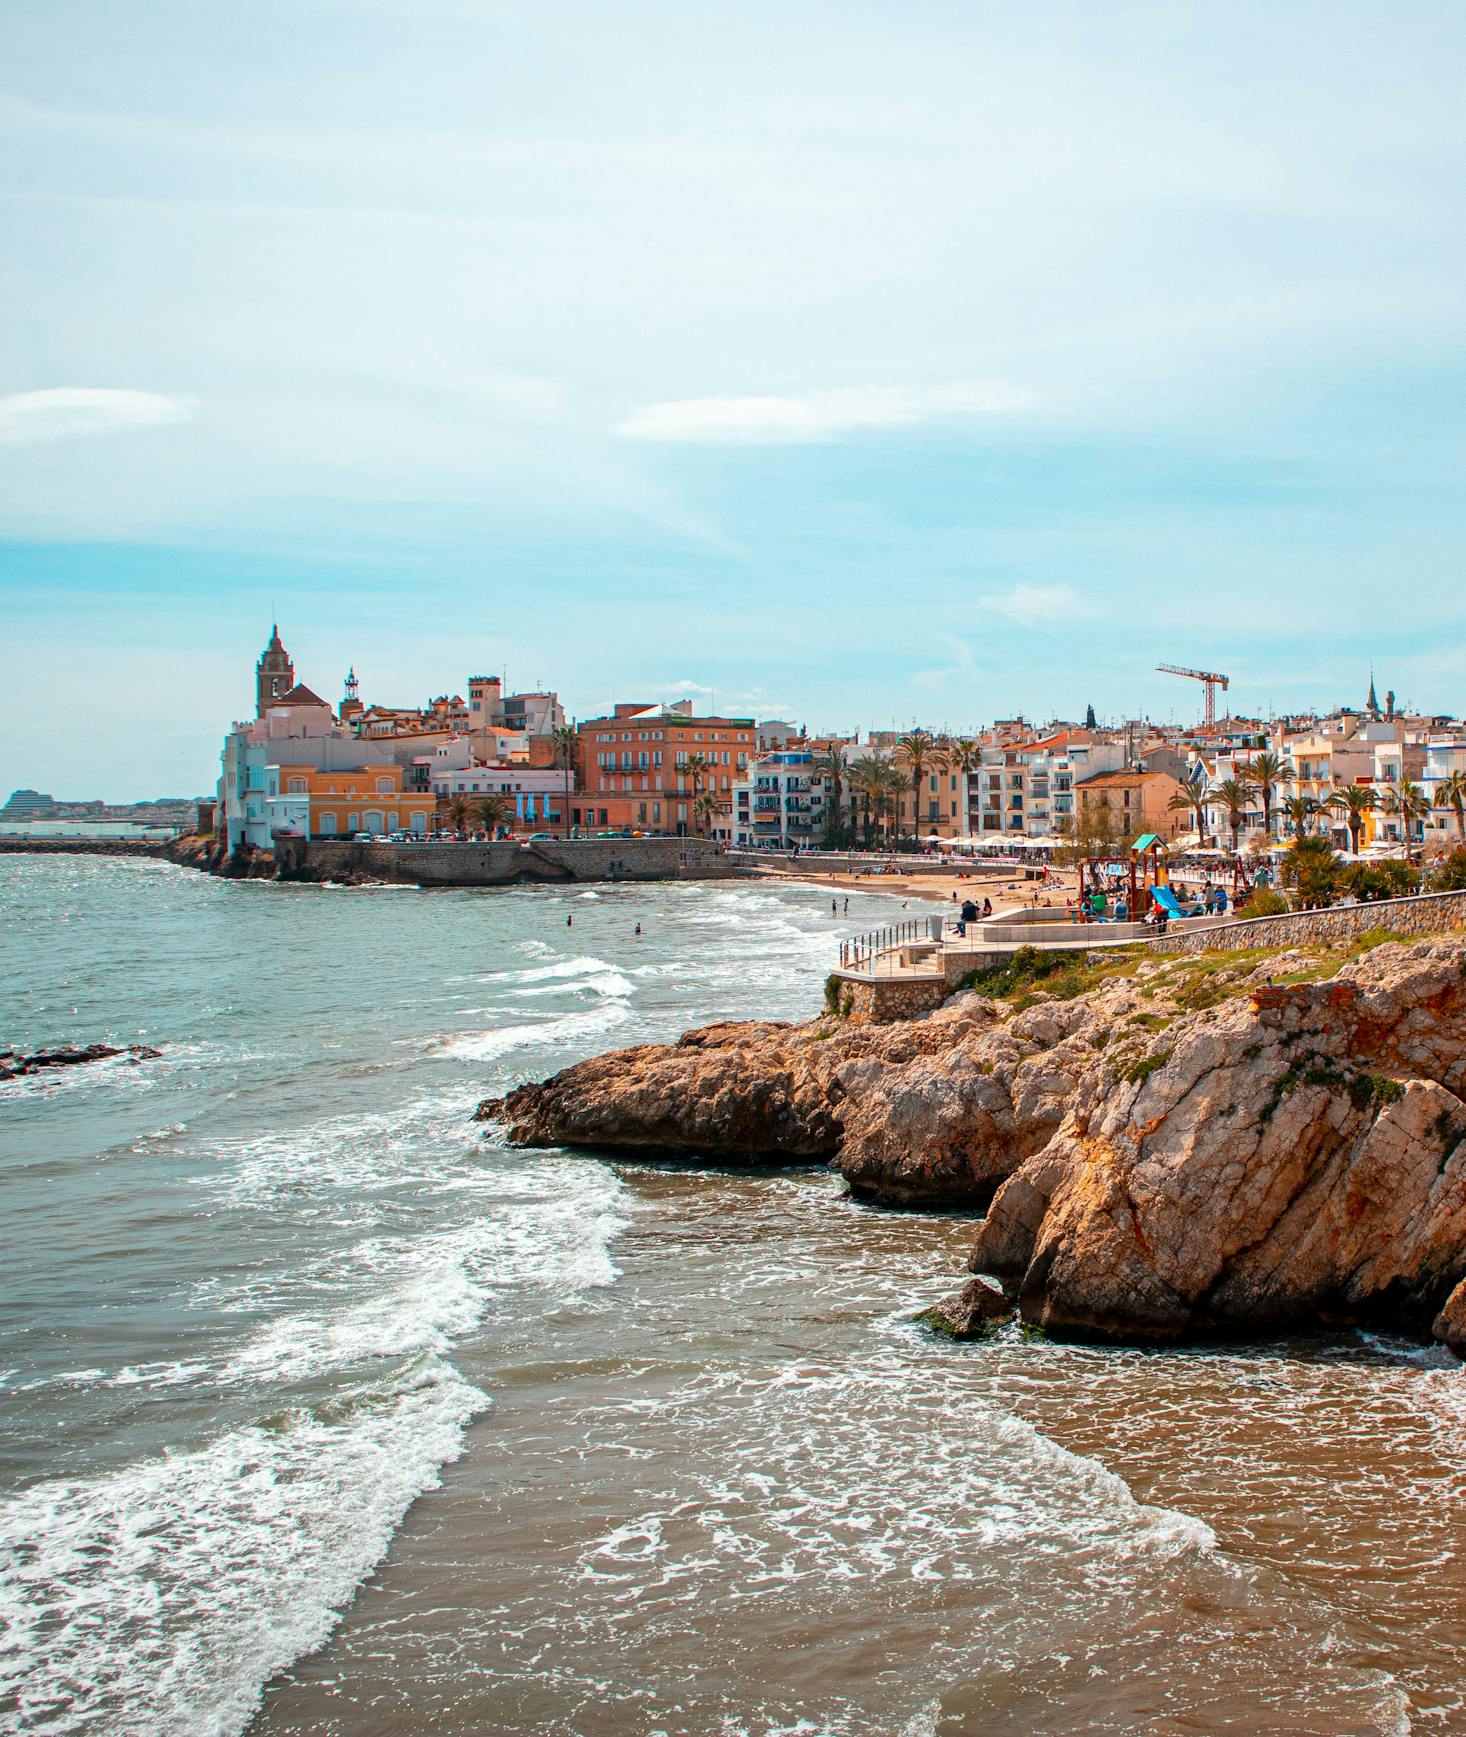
(322,1412)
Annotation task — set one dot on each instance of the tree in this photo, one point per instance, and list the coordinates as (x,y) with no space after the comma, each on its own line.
(917,750)
(964,756)
(458,815)
(866,775)
(1412,805)
(1266,771)
(1311,868)
(493,810)
(890,788)
(1234,794)
(1451,793)
(1354,801)
(695,767)
(830,765)
(1300,810)
(704,806)
(566,740)
(1193,799)
(1089,722)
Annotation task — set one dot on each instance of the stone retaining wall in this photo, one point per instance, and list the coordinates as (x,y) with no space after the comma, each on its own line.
(1428,914)
(451,864)
(84,847)
(879,1000)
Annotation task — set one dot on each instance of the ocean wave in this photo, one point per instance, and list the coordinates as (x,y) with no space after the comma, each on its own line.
(159,1599)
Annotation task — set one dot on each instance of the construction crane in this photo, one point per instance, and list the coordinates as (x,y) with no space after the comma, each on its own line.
(1210,680)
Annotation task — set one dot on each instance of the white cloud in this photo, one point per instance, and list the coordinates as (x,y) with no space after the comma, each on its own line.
(1039,605)
(65,412)
(816,416)
(964,662)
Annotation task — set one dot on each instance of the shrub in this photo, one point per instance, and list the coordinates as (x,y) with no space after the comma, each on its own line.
(1312,869)
(1380,880)
(1450,876)
(1266,903)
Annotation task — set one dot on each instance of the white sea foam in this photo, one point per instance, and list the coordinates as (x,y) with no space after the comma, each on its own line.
(555,1030)
(158,1600)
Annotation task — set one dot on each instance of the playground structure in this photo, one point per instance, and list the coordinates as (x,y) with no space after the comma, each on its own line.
(1133,887)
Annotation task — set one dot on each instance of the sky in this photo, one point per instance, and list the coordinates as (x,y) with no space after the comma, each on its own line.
(858,363)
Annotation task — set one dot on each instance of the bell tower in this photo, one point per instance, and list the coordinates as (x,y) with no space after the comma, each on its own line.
(274,674)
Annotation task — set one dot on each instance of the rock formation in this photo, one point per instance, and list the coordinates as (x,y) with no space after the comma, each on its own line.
(13,1065)
(1294,1157)
(1183,1145)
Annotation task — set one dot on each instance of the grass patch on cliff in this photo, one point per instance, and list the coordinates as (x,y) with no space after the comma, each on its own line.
(1139,1071)
(1031,970)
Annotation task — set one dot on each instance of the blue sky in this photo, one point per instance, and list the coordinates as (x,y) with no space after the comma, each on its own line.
(861,362)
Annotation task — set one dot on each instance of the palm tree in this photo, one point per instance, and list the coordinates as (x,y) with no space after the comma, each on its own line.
(1193,799)
(889,791)
(1411,804)
(964,756)
(566,740)
(1266,771)
(493,810)
(458,815)
(1300,810)
(1234,794)
(1354,801)
(1451,793)
(917,750)
(866,777)
(830,765)
(704,807)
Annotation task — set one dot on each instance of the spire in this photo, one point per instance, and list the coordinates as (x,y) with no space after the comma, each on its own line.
(1373,701)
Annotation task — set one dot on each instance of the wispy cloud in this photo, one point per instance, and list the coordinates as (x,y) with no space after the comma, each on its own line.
(793,417)
(69,412)
(964,662)
(754,700)
(1038,605)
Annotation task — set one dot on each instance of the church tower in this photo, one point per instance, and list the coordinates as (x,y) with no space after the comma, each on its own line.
(274,674)
(1371,705)
(351,706)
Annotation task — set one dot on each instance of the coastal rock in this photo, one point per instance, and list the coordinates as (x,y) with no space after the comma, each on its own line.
(13,1064)
(1296,1157)
(748,1091)
(969,1313)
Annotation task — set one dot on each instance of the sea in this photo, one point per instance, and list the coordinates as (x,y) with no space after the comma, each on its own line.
(322,1412)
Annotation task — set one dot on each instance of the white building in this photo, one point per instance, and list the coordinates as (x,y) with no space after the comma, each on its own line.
(538,793)
(1030,789)
(780,803)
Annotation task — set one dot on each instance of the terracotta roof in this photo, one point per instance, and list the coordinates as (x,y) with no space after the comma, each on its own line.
(300,695)
(1118,778)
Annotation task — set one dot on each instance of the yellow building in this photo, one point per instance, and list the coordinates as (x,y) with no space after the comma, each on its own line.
(369,799)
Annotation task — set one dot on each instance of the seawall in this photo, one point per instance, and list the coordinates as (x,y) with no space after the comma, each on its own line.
(444,863)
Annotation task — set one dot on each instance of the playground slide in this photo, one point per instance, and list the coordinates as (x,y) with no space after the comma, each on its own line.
(1166,899)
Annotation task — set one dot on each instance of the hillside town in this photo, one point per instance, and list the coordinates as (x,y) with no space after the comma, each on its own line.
(1377,779)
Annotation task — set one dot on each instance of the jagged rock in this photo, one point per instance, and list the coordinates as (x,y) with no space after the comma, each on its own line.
(1294,1158)
(13,1065)
(728,1092)
(969,1313)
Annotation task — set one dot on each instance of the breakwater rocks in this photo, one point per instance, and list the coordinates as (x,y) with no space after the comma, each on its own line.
(1220,1143)
(14,1065)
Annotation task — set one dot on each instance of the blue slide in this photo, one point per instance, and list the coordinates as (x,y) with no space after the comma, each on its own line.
(1166,899)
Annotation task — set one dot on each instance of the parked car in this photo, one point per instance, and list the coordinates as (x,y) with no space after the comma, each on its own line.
(362,838)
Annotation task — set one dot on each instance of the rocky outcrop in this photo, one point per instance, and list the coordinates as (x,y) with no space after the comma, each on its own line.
(13,1064)
(1178,1146)
(733,1092)
(1297,1156)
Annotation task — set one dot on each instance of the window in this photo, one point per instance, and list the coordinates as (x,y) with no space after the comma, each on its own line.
(297,786)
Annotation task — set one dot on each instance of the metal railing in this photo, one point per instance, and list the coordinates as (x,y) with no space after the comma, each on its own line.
(880,949)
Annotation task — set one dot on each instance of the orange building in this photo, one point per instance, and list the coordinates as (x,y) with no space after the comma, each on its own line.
(338,804)
(638,769)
